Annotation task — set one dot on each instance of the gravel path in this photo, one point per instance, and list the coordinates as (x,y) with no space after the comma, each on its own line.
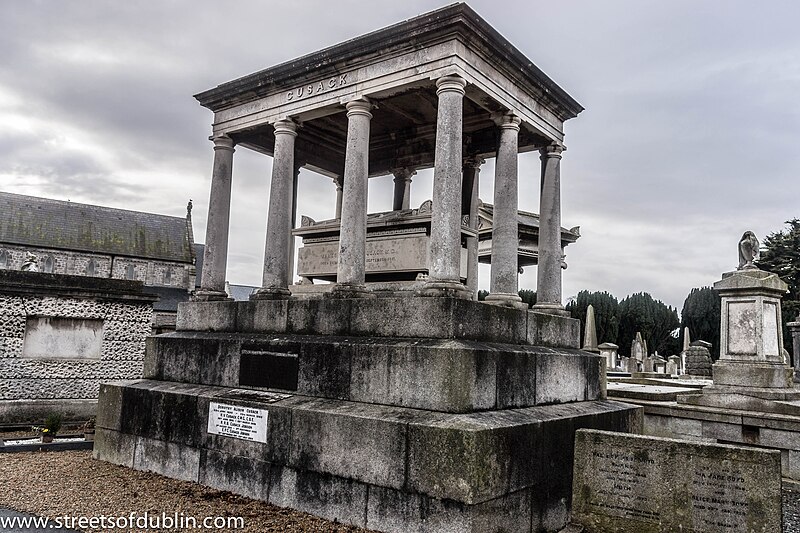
(72,483)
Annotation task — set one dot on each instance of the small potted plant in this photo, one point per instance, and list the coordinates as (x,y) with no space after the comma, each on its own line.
(52,424)
(88,429)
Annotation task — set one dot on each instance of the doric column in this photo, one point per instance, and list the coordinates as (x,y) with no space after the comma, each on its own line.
(469,206)
(402,188)
(504,285)
(215,256)
(548,279)
(293,220)
(445,242)
(350,274)
(338,182)
(276,252)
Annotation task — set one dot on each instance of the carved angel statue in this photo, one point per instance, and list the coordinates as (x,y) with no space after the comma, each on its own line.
(31,263)
(748,251)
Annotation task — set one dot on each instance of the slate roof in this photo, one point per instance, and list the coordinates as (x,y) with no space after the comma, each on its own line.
(45,223)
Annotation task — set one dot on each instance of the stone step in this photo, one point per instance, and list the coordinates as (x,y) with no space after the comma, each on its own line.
(454,376)
(358,463)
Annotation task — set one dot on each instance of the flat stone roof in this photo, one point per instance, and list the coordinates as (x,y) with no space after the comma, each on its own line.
(396,68)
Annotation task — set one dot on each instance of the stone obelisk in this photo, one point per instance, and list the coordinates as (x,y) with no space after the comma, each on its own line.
(590,335)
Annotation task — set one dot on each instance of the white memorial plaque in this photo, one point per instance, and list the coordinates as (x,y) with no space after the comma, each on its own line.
(244,423)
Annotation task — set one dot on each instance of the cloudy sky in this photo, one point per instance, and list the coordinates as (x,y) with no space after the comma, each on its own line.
(691,133)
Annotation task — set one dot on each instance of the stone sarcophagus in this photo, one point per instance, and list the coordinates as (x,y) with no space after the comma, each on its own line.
(397,247)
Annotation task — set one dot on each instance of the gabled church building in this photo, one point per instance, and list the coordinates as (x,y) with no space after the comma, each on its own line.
(63,237)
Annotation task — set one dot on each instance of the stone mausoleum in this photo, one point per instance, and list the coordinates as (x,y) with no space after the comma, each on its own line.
(422,410)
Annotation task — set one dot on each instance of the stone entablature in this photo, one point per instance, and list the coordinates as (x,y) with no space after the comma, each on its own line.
(61,336)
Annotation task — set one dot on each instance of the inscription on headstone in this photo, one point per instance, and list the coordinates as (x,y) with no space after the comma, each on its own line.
(237,421)
(632,483)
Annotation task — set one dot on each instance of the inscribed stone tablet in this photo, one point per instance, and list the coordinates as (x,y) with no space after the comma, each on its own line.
(632,483)
(236,421)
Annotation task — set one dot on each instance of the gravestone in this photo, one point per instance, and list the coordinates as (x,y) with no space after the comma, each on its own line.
(698,359)
(609,351)
(673,365)
(631,483)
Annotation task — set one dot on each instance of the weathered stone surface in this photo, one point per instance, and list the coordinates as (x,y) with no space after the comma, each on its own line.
(560,378)
(330,497)
(240,475)
(392,510)
(546,329)
(335,438)
(167,458)
(114,447)
(206,316)
(648,484)
(262,316)
(439,376)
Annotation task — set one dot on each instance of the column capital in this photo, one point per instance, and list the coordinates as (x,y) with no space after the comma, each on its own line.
(474,162)
(404,173)
(362,106)
(552,150)
(451,84)
(222,142)
(507,121)
(286,126)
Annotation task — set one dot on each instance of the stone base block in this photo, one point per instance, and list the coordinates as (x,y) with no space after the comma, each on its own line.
(433,374)
(752,375)
(384,468)
(408,317)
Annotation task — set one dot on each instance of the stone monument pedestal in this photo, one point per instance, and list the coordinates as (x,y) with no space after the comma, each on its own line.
(395,414)
(752,371)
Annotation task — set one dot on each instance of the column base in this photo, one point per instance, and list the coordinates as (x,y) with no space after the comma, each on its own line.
(550,309)
(206,295)
(445,288)
(271,293)
(347,290)
(506,299)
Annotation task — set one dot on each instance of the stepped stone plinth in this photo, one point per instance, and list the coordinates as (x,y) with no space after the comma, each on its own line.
(428,412)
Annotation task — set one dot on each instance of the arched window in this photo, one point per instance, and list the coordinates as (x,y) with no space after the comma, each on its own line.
(91,268)
(168,276)
(3,259)
(130,272)
(48,265)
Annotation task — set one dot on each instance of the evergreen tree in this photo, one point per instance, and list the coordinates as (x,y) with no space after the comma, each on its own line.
(780,254)
(656,320)
(606,314)
(701,314)
(528,296)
